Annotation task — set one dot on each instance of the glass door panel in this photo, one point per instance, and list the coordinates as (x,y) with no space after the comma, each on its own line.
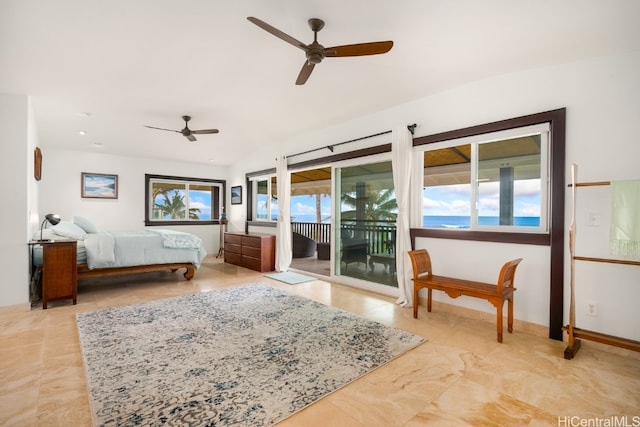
(366,223)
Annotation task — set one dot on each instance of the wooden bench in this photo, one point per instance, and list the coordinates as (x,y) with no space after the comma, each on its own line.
(423,277)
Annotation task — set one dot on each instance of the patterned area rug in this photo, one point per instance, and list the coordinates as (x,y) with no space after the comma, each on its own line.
(290,277)
(245,356)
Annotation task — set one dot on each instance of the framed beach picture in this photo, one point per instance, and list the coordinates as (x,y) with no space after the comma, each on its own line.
(99,185)
(236,195)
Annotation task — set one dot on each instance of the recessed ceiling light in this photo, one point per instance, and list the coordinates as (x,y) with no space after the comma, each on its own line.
(81,132)
(98,144)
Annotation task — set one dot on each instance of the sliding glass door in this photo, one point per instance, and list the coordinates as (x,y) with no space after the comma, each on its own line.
(365,221)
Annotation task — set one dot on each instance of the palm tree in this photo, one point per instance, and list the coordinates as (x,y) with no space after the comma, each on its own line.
(377,206)
(173,205)
(317,198)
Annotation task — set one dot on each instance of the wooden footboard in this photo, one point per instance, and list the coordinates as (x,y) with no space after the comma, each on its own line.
(84,271)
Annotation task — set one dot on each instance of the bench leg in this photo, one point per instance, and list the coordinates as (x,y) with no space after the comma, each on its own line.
(499,309)
(429,300)
(510,315)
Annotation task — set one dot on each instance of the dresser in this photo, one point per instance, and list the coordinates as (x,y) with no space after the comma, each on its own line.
(253,250)
(59,271)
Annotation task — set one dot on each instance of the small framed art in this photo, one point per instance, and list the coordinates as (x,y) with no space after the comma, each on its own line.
(236,195)
(99,185)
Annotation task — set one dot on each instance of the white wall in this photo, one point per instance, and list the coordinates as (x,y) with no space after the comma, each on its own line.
(60,190)
(602,97)
(16,172)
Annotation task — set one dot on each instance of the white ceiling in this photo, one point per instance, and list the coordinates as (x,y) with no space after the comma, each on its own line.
(131,63)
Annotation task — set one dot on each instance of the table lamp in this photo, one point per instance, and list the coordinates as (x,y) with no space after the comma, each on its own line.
(52,219)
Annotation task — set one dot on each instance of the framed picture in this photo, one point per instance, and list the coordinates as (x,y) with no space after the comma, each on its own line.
(236,195)
(99,185)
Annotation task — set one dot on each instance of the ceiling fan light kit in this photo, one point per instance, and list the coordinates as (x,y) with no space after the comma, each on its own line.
(315,52)
(186,132)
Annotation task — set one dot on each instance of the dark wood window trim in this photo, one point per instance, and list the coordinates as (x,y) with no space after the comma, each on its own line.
(215,206)
(384,148)
(555,237)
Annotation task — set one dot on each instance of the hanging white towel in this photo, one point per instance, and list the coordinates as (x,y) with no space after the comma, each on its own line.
(624,235)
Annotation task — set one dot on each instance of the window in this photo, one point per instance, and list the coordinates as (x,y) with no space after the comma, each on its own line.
(494,181)
(265,202)
(180,201)
(554,238)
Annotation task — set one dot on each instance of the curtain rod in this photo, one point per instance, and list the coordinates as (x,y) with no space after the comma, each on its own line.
(590,184)
(332,146)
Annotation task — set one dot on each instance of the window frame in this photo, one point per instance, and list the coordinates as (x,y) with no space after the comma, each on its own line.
(475,142)
(217,204)
(253,181)
(555,238)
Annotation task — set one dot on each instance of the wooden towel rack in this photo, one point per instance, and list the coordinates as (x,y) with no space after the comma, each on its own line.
(574,332)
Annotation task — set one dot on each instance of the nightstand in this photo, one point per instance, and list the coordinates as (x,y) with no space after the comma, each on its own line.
(59,270)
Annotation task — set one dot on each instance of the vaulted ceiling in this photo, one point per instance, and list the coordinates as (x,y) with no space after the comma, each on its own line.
(108,68)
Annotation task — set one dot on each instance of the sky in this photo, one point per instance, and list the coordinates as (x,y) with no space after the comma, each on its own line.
(449,200)
(455,200)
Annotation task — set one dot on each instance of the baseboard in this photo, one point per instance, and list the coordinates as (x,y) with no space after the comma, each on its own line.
(524,326)
(521,325)
(16,308)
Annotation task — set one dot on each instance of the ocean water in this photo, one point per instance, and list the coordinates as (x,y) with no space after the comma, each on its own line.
(309,218)
(447,221)
(465,221)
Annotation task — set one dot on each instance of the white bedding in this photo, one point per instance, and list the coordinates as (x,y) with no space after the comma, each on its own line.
(129,248)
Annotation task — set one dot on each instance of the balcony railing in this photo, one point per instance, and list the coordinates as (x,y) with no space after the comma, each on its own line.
(380,235)
(320,232)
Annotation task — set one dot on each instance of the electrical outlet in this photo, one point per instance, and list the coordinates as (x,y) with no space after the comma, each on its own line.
(594,219)
(592,309)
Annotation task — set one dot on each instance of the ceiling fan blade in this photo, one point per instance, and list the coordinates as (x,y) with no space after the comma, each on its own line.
(170,130)
(204,131)
(360,49)
(190,137)
(305,72)
(276,32)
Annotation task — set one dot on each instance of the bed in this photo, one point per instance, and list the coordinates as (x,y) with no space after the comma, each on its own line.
(109,253)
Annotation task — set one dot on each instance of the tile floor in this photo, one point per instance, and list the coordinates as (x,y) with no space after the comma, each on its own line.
(460,376)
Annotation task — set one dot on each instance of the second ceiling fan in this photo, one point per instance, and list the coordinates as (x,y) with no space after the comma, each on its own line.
(315,52)
(186,132)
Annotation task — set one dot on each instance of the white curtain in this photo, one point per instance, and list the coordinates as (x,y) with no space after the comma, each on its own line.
(402,153)
(284,252)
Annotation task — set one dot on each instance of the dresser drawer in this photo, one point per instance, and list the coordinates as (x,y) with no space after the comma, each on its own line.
(251,241)
(232,238)
(251,251)
(232,247)
(252,263)
(232,258)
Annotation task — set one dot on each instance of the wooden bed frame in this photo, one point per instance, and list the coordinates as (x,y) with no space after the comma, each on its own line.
(84,271)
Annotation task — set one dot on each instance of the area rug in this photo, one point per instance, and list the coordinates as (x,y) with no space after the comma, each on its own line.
(290,277)
(245,356)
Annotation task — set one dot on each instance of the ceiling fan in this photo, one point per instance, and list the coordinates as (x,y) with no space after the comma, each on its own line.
(315,52)
(186,132)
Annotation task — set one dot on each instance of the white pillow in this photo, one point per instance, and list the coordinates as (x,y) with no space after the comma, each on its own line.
(85,224)
(70,230)
(47,234)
